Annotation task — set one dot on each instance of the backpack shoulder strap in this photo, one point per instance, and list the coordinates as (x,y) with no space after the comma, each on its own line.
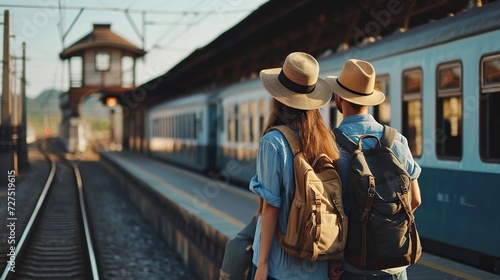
(344,140)
(290,136)
(389,136)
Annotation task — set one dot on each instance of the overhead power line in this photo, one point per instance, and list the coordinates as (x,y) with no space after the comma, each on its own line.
(171,12)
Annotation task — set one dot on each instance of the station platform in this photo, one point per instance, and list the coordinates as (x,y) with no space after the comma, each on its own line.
(226,209)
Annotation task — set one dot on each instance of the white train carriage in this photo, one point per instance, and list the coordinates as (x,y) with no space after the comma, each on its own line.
(242,111)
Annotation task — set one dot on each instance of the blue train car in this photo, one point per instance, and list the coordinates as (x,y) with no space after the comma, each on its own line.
(443,86)
(181,131)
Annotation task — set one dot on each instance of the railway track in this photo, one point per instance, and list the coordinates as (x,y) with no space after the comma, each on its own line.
(56,243)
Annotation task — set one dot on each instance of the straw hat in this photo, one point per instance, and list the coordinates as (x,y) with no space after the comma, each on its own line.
(297,84)
(356,83)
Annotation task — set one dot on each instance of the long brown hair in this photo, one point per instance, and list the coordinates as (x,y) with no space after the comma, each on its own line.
(315,136)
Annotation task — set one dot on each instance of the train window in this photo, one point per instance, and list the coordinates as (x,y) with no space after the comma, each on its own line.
(169,127)
(449,111)
(244,123)
(236,116)
(220,111)
(191,126)
(159,127)
(174,127)
(177,127)
(491,72)
(155,125)
(412,110)
(196,126)
(382,112)
(489,102)
(253,113)
(186,126)
(229,128)
(181,126)
(155,128)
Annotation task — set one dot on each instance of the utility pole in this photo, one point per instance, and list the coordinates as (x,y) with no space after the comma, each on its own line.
(22,148)
(6,95)
(8,157)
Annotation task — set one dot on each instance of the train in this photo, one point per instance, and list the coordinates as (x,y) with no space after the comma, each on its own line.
(442,85)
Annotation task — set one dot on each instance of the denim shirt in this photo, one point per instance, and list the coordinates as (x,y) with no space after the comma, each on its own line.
(354,126)
(275,182)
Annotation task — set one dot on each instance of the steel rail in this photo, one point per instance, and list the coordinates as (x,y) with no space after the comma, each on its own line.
(27,230)
(86,224)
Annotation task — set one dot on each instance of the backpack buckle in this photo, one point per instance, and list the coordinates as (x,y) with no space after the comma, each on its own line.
(371,187)
(371,191)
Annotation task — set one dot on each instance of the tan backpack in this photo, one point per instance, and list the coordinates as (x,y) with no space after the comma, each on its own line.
(317,225)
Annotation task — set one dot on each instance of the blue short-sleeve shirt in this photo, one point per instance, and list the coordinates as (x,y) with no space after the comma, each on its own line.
(275,183)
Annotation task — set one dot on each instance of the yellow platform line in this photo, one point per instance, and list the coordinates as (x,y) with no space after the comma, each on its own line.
(448,270)
(188,196)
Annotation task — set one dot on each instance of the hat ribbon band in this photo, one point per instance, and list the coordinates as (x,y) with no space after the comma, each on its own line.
(355,92)
(293,86)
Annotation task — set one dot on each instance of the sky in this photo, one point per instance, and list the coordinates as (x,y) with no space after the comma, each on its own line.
(173,30)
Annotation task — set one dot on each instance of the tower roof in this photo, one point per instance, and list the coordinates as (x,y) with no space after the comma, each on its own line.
(101,36)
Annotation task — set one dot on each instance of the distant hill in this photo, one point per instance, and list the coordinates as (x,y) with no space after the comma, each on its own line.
(44,111)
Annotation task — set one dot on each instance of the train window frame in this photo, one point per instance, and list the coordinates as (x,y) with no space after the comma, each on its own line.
(412,96)
(441,95)
(495,87)
(387,100)
(485,93)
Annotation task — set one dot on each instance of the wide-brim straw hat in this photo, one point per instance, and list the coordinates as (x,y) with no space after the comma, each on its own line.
(297,84)
(356,83)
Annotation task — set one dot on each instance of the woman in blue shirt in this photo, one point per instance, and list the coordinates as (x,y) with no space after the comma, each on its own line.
(297,94)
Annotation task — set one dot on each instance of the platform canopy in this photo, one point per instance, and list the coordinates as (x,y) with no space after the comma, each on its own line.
(278,27)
